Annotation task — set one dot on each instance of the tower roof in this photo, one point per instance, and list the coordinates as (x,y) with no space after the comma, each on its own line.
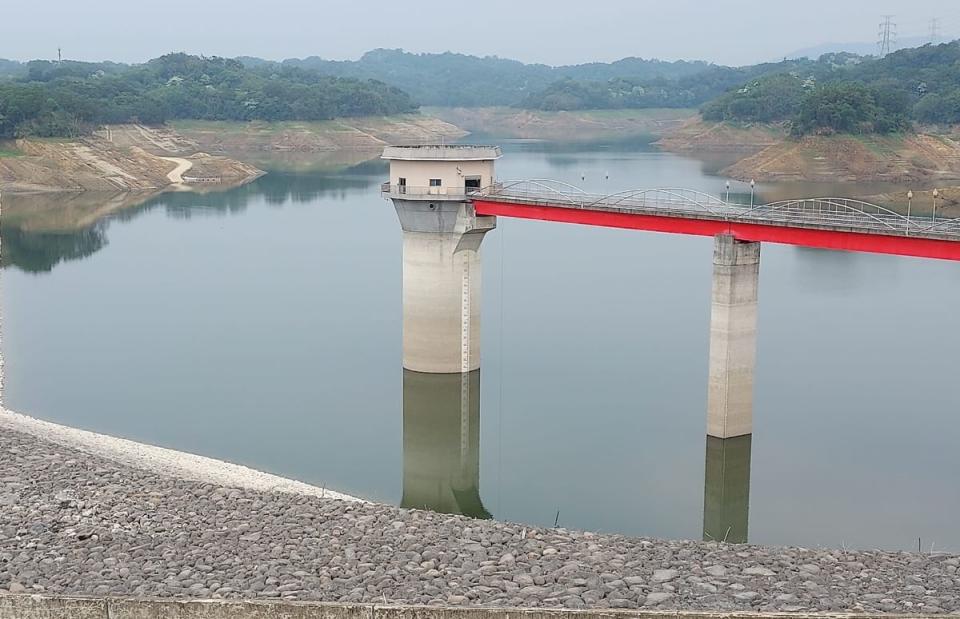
(442,152)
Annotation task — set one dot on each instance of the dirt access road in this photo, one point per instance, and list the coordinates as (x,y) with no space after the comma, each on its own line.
(183,166)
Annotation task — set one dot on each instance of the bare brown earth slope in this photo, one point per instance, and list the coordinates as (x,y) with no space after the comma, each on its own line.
(119,158)
(576,126)
(694,135)
(947,200)
(771,155)
(918,158)
(342,134)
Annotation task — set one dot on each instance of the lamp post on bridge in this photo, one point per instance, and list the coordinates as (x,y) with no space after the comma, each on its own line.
(727,200)
(909,206)
(936,194)
(753,186)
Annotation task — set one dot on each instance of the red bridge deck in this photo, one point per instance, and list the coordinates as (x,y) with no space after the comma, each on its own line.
(825,223)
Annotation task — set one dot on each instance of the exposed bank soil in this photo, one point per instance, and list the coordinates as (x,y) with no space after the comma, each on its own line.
(771,155)
(343,134)
(917,158)
(121,158)
(578,126)
(697,136)
(948,202)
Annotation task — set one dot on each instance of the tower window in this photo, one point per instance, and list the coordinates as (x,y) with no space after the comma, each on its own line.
(435,182)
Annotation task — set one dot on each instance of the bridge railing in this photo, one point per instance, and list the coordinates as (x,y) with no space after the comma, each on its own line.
(833,213)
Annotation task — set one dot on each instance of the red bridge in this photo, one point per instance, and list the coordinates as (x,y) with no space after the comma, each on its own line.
(825,223)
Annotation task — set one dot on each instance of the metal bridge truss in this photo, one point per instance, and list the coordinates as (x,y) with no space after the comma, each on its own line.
(841,214)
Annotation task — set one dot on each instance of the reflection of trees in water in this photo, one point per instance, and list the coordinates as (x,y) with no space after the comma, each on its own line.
(39,251)
(567,155)
(277,189)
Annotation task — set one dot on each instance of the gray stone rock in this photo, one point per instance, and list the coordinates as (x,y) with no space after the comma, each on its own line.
(657,597)
(664,575)
(717,571)
(759,571)
(99,528)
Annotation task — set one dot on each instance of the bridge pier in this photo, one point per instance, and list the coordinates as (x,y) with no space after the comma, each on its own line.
(733,337)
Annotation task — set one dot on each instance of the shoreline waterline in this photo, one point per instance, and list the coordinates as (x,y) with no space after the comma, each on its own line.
(162,460)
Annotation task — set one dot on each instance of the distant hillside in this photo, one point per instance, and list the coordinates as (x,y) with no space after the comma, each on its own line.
(459,80)
(838,92)
(11,68)
(842,93)
(69,99)
(861,48)
(683,91)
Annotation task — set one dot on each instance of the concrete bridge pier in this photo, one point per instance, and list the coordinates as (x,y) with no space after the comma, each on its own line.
(733,337)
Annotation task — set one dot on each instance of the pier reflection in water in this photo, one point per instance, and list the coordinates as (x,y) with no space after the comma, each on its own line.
(726,489)
(441,457)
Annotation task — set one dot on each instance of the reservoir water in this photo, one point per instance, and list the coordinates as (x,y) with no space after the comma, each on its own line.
(262,325)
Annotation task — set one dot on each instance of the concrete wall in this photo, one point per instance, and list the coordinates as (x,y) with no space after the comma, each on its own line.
(452,173)
(44,607)
(733,337)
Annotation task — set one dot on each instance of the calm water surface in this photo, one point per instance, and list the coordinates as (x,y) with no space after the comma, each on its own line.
(263,326)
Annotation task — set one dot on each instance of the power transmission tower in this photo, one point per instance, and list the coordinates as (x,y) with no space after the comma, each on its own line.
(888,35)
(934,31)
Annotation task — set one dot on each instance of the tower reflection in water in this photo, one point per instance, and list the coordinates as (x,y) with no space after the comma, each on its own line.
(441,443)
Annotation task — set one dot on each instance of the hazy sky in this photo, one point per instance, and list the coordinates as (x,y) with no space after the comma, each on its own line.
(554,32)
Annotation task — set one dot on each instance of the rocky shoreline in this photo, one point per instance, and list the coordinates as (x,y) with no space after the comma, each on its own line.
(74,523)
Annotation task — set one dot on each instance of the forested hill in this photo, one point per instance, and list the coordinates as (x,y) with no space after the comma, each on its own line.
(459,80)
(853,94)
(837,92)
(11,68)
(690,90)
(66,99)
